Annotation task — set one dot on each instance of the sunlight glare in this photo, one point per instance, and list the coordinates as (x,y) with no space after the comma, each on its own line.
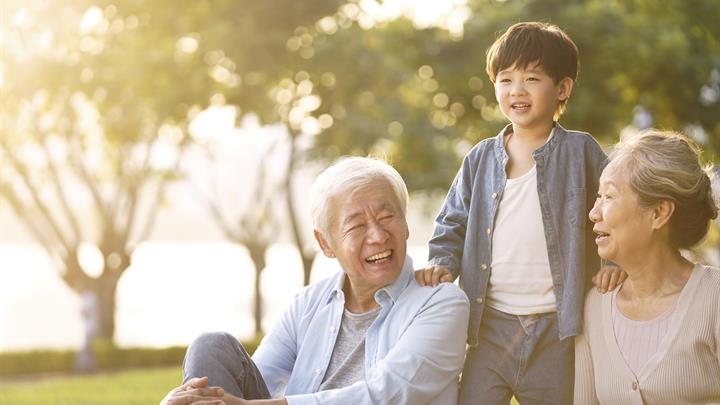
(91,19)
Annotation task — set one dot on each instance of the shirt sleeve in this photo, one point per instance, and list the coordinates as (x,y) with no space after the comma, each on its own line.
(447,242)
(276,354)
(426,359)
(585,392)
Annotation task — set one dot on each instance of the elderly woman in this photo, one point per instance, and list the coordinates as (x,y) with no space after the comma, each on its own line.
(656,339)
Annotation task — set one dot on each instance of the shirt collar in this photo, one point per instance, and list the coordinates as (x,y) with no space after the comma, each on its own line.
(556,135)
(392,290)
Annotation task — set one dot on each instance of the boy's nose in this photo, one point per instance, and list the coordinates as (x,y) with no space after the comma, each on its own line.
(517,88)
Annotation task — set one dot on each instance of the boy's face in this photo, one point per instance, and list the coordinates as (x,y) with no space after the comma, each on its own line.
(529,97)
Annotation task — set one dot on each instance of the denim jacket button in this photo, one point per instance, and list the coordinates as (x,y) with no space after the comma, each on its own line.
(479,300)
(484,266)
(488,231)
(494,196)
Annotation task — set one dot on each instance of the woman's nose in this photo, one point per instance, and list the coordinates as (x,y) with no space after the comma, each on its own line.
(594,214)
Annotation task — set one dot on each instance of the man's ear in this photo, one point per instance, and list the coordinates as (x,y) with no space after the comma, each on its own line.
(324,245)
(662,213)
(565,87)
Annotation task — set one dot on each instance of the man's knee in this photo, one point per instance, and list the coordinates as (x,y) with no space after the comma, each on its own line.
(214,343)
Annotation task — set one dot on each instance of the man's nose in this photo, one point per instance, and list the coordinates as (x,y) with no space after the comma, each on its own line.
(376,233)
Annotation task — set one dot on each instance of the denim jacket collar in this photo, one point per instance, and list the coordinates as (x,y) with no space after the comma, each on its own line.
(539,155)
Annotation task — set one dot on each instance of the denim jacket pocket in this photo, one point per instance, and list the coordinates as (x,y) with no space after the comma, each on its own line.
(575,207)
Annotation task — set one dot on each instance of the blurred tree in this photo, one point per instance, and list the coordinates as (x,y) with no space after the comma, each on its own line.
(96,103)
(422,97)
(93,132)
(250,219)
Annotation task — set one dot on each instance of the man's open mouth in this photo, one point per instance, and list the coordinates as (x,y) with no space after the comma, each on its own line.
(379,257)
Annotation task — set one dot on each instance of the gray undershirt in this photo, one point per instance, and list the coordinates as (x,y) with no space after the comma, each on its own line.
(347,364)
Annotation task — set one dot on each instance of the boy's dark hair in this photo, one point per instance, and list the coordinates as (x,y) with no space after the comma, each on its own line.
(527,43)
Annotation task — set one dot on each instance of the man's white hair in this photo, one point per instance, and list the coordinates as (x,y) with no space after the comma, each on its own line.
(345,175)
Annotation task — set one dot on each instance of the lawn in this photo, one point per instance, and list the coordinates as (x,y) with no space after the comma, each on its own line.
(140,386)
(132,387)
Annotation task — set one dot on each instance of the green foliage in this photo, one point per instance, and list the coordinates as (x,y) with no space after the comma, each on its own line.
(107,356)
(423,98)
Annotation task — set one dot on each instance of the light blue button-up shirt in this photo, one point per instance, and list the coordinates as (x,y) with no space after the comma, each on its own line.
(414,350)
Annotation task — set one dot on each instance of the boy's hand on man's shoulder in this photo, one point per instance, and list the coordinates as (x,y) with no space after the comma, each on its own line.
(608,278)
(433,275)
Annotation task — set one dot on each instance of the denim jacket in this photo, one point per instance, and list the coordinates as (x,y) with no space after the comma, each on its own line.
(568,170)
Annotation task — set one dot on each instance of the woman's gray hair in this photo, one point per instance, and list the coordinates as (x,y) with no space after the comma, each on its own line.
(665,166)
(345,175)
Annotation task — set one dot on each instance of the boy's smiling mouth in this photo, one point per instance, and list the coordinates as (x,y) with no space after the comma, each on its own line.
(520,106)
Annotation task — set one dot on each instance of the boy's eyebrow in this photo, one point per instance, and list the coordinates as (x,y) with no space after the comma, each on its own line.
(534,69)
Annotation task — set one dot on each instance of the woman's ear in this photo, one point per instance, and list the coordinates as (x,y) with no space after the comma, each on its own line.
(324,245)
(662,213)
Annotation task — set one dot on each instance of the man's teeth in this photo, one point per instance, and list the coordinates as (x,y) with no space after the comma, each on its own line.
(379,256)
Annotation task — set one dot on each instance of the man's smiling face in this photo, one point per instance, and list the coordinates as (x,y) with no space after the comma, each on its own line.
(368,235)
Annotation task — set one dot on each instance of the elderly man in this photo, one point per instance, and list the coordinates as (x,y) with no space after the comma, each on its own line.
(368,335)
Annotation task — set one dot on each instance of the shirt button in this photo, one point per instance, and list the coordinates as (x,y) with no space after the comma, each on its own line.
(494,196)
(332,329)
(337,295)
(318,371)
(483,266)
(479,300)
(488,231)
(634,385)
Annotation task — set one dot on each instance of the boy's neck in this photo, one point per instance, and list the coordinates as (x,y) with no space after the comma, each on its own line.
(536,133)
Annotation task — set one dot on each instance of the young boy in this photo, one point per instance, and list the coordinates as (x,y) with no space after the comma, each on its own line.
(514,227)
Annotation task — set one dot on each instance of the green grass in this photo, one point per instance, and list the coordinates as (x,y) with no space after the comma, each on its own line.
(130,387)
(140,386)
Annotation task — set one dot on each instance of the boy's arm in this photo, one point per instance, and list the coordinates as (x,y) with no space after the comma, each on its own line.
(448,239)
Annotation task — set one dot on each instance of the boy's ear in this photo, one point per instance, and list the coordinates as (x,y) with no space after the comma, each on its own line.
(565,87)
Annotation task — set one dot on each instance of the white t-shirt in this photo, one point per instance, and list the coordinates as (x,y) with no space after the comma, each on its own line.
(520,278)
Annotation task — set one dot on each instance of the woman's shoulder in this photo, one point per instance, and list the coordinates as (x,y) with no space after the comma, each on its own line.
(593,304)
(709,279)
(709,276)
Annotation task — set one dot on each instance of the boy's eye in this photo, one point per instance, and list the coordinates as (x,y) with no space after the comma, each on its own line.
(533,79)
(504,80)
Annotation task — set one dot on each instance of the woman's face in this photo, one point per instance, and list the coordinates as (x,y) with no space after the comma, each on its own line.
(623,228)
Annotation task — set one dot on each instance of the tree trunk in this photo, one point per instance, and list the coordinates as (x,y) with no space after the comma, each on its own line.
(257,255)
(307,260)
(105,288)
(307,267)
